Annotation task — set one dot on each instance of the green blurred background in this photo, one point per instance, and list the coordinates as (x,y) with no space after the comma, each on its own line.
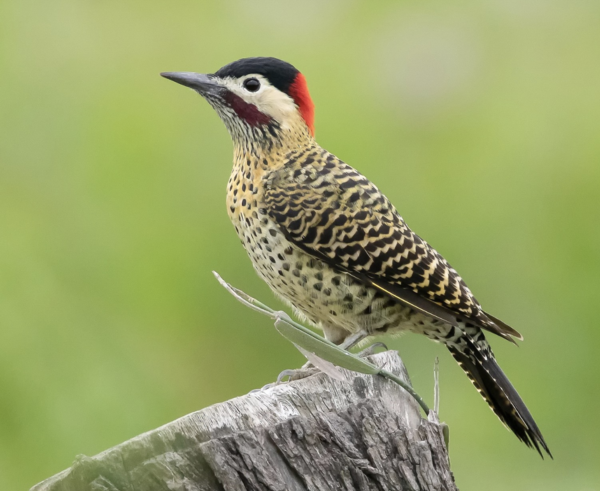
(479,119)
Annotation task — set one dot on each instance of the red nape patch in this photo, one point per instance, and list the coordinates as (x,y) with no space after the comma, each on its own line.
(299,92)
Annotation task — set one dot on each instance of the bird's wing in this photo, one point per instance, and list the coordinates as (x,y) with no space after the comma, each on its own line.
(332,212)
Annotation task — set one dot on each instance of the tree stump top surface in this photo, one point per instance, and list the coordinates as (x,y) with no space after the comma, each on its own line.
(308,434)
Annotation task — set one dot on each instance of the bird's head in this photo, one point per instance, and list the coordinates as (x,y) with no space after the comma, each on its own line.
(258,99)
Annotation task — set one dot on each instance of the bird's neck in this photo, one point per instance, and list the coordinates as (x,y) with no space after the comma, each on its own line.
(253,157)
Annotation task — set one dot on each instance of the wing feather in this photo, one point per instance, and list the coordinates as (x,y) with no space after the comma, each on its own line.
(332,212)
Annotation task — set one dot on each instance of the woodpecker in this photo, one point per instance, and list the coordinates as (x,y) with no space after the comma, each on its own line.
(329,242)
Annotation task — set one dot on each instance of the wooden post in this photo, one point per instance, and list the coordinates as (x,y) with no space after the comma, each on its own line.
(362,433)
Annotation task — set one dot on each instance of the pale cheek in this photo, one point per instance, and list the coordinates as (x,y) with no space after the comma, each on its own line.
(278,106)
(269,102)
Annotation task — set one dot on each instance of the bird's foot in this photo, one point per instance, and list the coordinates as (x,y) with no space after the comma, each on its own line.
(304,371)
(371,350)
(291,374)
(297,374)
(309,369)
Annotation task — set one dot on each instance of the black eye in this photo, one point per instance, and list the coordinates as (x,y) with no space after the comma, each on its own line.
(251,84)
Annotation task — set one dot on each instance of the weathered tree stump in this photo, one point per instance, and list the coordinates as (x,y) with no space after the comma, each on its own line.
(362,433)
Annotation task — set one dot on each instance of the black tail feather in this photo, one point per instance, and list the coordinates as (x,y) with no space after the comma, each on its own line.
(496,389)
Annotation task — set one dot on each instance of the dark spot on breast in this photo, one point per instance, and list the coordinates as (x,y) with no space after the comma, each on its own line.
(336,280)
(271,258)
(273,232)
(318,286)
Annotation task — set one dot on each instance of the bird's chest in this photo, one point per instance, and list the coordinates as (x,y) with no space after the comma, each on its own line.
(322,294)
(268,249)
(289,271)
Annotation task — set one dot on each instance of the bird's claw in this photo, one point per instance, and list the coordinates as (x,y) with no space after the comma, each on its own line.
(292,374)
(296,374)
(286,373)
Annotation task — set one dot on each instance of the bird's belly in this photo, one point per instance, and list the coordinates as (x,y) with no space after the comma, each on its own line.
(330,300)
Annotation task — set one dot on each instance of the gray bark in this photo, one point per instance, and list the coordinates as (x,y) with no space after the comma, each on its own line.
(362,433)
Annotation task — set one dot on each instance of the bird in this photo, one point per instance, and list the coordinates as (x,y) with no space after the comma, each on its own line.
(331,245)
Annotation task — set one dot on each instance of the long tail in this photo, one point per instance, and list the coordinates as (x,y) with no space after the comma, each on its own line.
(489,379)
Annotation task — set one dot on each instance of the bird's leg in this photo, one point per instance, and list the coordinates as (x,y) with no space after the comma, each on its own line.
(371,349)
(356,338)
(308,368)
(353,340)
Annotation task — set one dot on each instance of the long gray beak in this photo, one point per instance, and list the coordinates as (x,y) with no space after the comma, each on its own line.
(200,82)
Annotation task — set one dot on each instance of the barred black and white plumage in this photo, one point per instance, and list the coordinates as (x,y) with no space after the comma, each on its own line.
(330,244)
